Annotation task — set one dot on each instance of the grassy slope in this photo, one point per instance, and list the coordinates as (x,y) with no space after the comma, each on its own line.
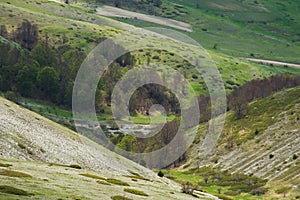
(271,127)
(36,142)
(268,29)
(84,30)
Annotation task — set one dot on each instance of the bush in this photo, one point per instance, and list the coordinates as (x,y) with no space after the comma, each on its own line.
(160,174)
(120,198)
(21,145)
(11,190)
(136,192)
(75,166)
(11,96)
(102,183)
(5,165)
(282,190)
(14,174)
(117,182)
(295,156)
(258,191)
(93,176)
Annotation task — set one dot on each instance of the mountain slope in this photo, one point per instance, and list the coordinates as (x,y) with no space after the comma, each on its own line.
(264,143)
(29,142)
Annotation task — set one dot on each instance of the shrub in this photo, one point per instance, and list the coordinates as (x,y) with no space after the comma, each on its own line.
(120,198)
(75,166)
(295,156)
(117,182)
(14,174)
(258,191)
(12,190)
(160,174)
(5,165)
(11,96)
(21,145)
(282,190)
(103,182)
(93,176)
(136,192)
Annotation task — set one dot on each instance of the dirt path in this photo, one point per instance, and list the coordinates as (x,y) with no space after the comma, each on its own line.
(271,62)
(110,11)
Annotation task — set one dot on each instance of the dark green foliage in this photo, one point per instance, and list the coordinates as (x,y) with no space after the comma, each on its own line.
(295,157)
(12,190)
(75,166)
(48,82)
(12,96)
(136,192)
(44,55)
(26,81)
(160,174)
(237,182)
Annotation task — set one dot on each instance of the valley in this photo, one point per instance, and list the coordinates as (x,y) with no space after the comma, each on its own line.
(239,58)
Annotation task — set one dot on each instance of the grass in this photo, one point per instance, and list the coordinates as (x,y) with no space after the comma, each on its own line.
(12,190)
(5,165)
(21,145)
(261,114)
(218,180)
(74,166)
(11,173)
(102,183)
(93,176)
(238,28)
(117,182)
(120,198)
(136,192)
(138,177)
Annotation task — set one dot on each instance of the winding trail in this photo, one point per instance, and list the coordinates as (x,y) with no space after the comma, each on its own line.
(272,62)
(110,11)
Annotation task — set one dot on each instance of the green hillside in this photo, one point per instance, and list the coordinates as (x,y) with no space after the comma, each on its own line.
(265,29)
(42,46)
(264,143)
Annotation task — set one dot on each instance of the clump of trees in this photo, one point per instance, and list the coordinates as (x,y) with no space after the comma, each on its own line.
(189,188)
(238,100)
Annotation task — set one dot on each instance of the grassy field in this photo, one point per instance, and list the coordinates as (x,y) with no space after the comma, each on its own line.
(265,29)
(221,187)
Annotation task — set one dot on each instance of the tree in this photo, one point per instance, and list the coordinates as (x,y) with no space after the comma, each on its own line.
(26,34)
(48,82)
(157,3)
(3,31)
(188,188)
(26,81)
(44,55)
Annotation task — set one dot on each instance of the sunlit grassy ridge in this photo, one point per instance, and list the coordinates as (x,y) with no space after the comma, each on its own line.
(263,143)
(265,29)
